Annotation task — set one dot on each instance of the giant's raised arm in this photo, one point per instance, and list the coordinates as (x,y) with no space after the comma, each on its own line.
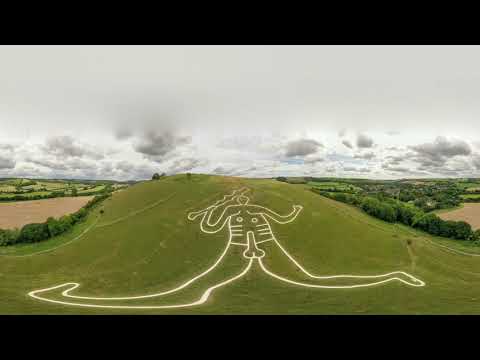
(281,219)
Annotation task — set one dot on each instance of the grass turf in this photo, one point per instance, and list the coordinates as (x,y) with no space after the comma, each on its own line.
(158,248)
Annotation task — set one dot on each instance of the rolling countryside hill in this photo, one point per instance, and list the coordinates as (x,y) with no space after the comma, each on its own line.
(144,244)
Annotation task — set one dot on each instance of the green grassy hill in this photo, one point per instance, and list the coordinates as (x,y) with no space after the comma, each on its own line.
(144,243)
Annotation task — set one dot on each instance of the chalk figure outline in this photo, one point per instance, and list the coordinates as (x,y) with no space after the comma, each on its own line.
(248,226)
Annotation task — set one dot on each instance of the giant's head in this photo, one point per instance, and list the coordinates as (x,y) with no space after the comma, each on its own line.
(243,200)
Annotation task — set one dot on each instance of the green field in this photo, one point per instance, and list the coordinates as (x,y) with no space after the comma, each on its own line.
(333,185)
(467,185)
(470,196)
(144,244)
(92,189)
(26,189)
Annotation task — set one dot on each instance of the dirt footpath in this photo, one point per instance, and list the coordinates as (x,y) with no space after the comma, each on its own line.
(17,214)
(470,213)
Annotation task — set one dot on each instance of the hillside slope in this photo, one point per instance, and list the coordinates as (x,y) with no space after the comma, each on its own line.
(145,244)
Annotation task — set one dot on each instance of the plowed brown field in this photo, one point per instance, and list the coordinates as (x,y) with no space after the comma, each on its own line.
(470,213)
(17,214)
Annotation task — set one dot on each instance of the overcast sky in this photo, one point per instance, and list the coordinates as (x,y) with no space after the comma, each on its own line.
(124,112)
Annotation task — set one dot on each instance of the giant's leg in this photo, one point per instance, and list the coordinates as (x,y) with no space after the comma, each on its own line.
(307,279)
(196,291)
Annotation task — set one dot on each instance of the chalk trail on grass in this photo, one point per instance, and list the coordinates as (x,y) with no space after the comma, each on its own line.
(134,213)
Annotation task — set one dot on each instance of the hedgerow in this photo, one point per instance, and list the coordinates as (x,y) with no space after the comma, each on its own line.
(391,210)
(36,232)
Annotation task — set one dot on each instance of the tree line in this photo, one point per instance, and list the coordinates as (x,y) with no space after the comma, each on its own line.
(32,233)
(428,197)
(392,210)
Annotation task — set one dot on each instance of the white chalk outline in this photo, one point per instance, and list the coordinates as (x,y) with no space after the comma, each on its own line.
(180,287)
(73,286)
(252,252)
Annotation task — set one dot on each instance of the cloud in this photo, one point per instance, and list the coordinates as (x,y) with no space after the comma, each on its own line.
(66,147)
(400,169)
(6,147)
(397,159)
(437,153)
(132,170)
(443,147)
(365,156)
(302,147)
(476,161)
(157,145)
(258,145)
(184,165)
(79,164)
(7,163)
(355,169)
(124,166)
(122,133)
(404,171)
(363,141)
(55,165)
(222,170)
(348,144)
(72,165)
(314,160)
(131,99)
(457,167)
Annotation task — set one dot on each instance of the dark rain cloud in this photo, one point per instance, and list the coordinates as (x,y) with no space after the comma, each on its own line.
(157,145)
(348,144)
(7,163)
(363,141)
(122,133)
(66,147)
(302,147)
